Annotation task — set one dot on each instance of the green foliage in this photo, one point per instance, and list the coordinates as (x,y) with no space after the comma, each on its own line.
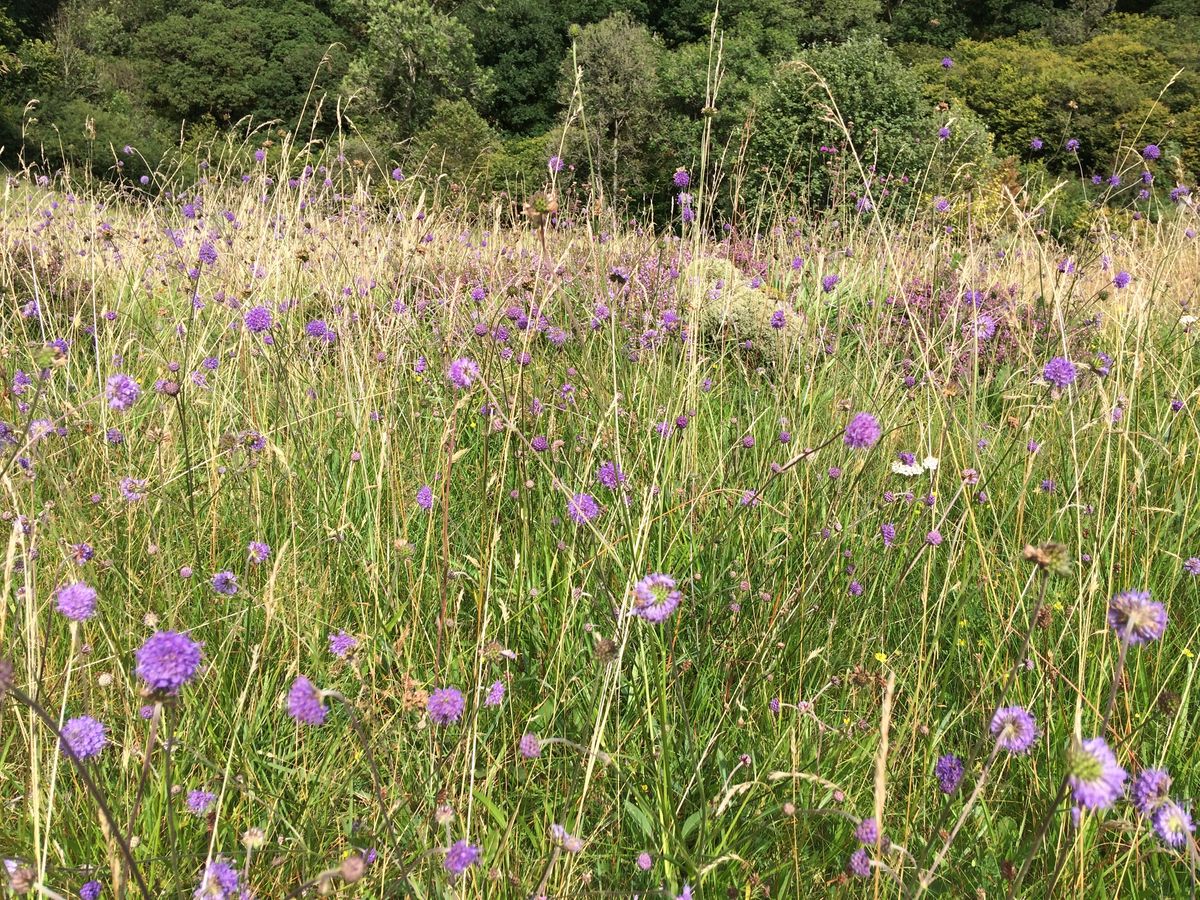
(877,98)
(456,142)
(225,60)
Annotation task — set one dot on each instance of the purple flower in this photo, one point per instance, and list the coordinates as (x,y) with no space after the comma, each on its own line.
(83,737)
(860,863)
(778,319)
(934,538)
(425,497)
(681,179)
(555,164)
(1151,151)
(1036,144)
(867,832)
(258,551)
(208,253)
(583,508)
(1149,790)
(1014,729)
(1192,565)
(943,133)
(91,890)
(462,372)
(949,771)
(168,660)
(862,432)
(460,857)
(947,62)
(122,391)
(258,319)
(1060,372)
(199,802)
(1072,145)
(220,881)
(1173,824)
(341,644)
(76,601)
(1121,280)
(530,746)
(1095,778)
(495,694)
(304,702)
(610,475)
(225,583)
(888,532)
(446,705)
(645,861)
(1136,618)
(829,282)
(655,597)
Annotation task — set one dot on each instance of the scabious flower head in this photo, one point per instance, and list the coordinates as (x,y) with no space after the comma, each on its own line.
(610,475)
(862,432)
(220,881)
(829,282)
(949,771)
(258,319)
(943,133)
(1151,151)
(342,644)
(1060,372)
(425,497)
(867,832)
(1149,790)
(168,660)
(645,861)
(1072,145)
(258,551)
(655,597)
(555,164)
(1014,729)
(888,532)
(1192,565)
(1173,824)
(530,746)
(76,601)
(225,583)
(1036,144)
(583,508)
(860,863)
(90,890)
(1136,618)
(934,538)
(460,857)
(462,373)
(681,179)
(446,705)
(495,694)
(947,62)
(200,801)
(83,737)
(1095,779)
(1121,280)
(304,702)
(122,391)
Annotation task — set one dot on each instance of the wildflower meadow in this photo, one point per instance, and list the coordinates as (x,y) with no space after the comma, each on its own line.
(367,537)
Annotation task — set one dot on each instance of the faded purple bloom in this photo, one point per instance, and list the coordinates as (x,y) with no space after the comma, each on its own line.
(1173,824)
(462,373)
(867,832)
(342,644)
(655,597)
(1149,790)
(645,861)
(1192,565)
(862,432)
(200,801)
(168,660)
(530,746)
(425,497)
(949,771)
(220,881)
(446,705)
(305,702)
(1136,618)
(76,601)
(1014,729)
(934,538)
(460,857)
(1096,780)
(860,863)
(83,737)
(495,694)
(829,282)
(122,391)
(258,552)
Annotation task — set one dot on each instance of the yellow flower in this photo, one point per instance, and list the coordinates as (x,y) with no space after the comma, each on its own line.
(1187,652)
(882,657)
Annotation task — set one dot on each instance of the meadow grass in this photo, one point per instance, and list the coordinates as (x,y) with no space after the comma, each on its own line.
(813,672)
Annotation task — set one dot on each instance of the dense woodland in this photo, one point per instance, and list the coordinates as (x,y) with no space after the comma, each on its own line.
(488,92)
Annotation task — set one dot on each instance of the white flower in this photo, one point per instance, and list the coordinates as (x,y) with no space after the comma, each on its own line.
(1185,321)
(904,469)
(931,463)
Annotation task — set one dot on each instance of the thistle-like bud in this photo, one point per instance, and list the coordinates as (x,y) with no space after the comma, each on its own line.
(1050,557)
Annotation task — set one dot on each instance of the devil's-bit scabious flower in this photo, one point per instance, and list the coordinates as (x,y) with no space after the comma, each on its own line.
(342,644)
(462,373)
(1151,151)
(829,282)
(168,660)
(225,583)
(220,881)
(1192,565)
(76,601)
(582,508)
(304,702)
(122,391)
(949,771)
(1014,729)
(530,746)
(1072,145)
(1136,618)
(1059,372)
(1149,790)
(425,497)
(258,319)
(862,432)
(655,597)
(681,179)
(495,694)
(446,705)
(867,832)
(1173,824)
(1121,280)
(1096,780)
(90,890)
(83,737)
(460,857)
(200,801)
(860,863)
(645,861)
(258,552)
